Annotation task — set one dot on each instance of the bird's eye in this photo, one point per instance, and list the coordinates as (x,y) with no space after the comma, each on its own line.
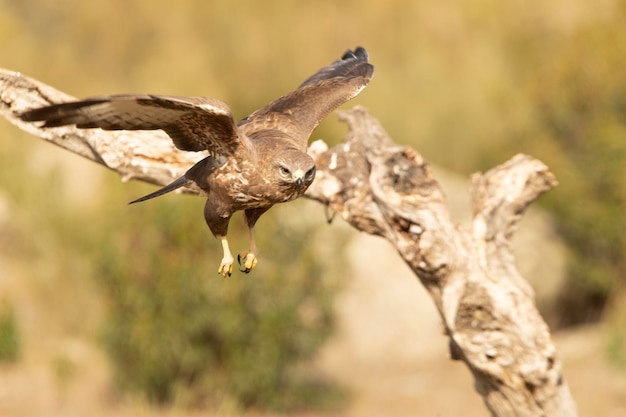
(310,173)
(284,170)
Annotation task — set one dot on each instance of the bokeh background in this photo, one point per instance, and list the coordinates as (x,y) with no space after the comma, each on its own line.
(106,308)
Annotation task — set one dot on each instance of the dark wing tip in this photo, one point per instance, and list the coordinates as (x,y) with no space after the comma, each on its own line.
(56,115)
(34,115)
(358,62)
(359,53)
(353,63)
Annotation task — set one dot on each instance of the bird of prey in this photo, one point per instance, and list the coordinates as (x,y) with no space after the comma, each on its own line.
(251,165)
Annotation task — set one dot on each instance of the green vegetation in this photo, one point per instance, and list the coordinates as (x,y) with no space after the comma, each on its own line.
(468,83)
(9,334)
(576,85)
(177,330)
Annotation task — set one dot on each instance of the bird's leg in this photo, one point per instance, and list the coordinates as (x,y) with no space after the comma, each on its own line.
(226,266)
(248,259)
(218,223)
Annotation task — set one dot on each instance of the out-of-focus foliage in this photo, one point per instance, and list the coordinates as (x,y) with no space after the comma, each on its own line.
(176,329)
(575,84)
(9,334)
(468,83)
(616,346)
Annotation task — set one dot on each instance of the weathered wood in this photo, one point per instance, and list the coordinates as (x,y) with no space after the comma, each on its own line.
(146,156)
(385,189)
(487,308)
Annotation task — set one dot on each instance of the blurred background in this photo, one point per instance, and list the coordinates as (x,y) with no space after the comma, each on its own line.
(108,308)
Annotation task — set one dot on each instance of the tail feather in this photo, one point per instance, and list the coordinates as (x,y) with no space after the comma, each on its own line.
(180,182)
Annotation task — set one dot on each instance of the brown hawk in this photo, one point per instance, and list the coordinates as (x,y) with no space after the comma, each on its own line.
(253,164)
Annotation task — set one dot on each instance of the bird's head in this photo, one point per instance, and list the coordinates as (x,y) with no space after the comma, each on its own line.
(294,170)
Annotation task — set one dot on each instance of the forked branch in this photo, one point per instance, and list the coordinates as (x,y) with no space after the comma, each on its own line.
(385,189)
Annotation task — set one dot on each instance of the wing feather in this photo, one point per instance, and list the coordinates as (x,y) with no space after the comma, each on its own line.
(199,123)
(299,112)
(193,123)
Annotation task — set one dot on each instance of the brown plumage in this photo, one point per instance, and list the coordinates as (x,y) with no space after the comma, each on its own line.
(253,164)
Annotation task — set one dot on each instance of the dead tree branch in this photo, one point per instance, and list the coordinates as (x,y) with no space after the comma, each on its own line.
(146,156)
(385,189)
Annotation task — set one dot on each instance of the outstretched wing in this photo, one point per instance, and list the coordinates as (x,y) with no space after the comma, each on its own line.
(193,123)
(300,111)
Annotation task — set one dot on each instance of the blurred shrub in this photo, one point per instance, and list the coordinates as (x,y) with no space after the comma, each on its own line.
(616,345)
(175,330)
(575,84)
(179,331)
(9,334)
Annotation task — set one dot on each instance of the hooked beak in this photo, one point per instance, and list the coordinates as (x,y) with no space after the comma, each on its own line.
(298,178)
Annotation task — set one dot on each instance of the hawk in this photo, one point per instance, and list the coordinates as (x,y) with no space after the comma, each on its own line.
(251,165)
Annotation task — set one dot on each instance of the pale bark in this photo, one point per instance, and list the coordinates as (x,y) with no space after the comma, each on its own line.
(385,189)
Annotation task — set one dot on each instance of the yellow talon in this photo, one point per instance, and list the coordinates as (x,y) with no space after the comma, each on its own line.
(226,266)
(225,269)
(247,261)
